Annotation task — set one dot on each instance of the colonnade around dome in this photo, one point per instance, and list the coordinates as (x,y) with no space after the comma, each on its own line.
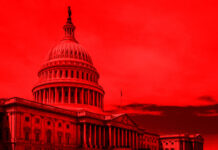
(69,95)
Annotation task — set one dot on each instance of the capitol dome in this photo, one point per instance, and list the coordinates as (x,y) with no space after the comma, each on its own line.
(68,78)
(69,49)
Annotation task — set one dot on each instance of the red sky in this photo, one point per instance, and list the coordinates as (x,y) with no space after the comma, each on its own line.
(161,52)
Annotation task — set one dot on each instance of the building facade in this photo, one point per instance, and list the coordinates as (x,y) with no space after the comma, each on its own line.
(67,111)
(181,142)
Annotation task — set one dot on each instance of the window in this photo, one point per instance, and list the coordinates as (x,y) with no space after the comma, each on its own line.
(67,138)
(90,77)
(55,74)
(48,122)
(37,120)
(37,136)
(87,76)
(27,119)
(59,124)
(60,73)
(59,137)
(66,73)
(71,74)
(68,126)
(48,134)
(82,75)
(60,95)
(50,74)
(77,74)
(26,135)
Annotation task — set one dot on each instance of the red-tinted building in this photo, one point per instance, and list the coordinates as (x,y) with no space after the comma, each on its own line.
(67,111)
(181,142)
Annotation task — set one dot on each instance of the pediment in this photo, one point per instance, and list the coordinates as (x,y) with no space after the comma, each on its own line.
(124,119)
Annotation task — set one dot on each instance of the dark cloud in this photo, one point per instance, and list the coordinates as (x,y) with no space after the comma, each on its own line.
(175,119)
(207,98)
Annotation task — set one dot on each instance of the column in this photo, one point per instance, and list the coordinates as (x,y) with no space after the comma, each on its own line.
(36,96)
(75,95)
(52,74)
(97,99)
(122,138)
(62,98)
(133,139)
(69,73)
(82,96)
(90,135)
(126,139)
(118,137)
(104,136)
(63,74)
(184,145)
(136,140)
(58,74)
(84,135)
(95,136)
(49,95)
(110,137)
(88,97)
(99,131)
(130,139)
(115,145)
(93,98)
(69,95)
(102,101)
(43,100)
(56,95)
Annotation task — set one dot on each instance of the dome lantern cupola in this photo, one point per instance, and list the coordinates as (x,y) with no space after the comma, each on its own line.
(68,78)
(69,28)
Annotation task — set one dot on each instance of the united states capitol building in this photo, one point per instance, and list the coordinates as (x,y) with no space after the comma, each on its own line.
(67,111)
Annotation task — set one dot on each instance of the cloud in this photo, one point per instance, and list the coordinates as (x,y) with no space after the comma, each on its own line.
(173,119)
(209,113)
(207,98)
(134,109)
